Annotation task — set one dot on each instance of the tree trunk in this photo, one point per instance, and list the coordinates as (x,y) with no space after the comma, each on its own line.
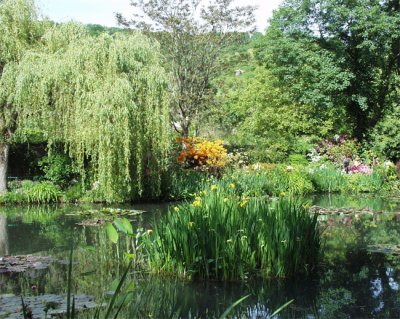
(4,150)
(3,236)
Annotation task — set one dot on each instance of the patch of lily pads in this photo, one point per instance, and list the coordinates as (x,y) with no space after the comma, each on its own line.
(17,264)
(112,212)
(341,211)
(386,249)
(93,222)
(42,306)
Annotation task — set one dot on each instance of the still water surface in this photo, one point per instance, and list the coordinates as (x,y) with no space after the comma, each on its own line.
(352,282)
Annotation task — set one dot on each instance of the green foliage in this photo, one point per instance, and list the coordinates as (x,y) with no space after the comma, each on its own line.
(192,35)
(32,192)
(258,116)
(297,159)
(57,168)
(97,29)
(222,237)
(182,183)
(20,30)
(13,197)
(340,58)
(327,178)
(386,135)
(275,181)
(42,193)
(104,98)
(362,183)
(73,193)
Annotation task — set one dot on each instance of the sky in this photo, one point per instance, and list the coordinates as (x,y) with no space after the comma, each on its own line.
(102,11)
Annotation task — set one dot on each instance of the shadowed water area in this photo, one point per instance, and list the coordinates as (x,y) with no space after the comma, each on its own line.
(359,276)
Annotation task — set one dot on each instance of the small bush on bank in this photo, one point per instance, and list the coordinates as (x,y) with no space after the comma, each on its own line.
(32,192)
(43,192)
(57,168)
(226,236)
(203,155)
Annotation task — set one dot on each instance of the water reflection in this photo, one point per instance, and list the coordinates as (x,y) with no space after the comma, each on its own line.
(352,282)
(3,236)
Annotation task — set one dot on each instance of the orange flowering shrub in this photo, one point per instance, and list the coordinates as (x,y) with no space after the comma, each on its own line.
(202,154)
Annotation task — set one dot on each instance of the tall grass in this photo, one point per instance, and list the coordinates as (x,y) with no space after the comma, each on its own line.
(274,181)
(328,178)
(224,236)
(182,183)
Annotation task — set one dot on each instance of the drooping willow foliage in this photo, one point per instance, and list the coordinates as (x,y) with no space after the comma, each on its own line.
(105,99)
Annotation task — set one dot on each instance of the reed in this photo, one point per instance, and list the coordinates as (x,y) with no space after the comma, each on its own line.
(225,236)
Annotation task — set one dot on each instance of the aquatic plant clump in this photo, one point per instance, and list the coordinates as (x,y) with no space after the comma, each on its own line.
(223,236)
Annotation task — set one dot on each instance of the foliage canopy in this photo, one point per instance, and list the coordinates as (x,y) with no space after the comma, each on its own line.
(103,97)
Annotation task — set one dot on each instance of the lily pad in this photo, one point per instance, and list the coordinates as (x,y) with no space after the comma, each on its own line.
(13,264)
(341,211)
(93,222)
(385,249)
(108,212)
(37,306)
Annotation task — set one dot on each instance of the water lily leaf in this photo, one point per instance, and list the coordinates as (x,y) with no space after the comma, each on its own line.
(128,225)
(112,233)
(120,225)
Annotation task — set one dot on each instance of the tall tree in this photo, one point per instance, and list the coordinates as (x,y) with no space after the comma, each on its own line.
(103,97)
(192,34)
(20,30)
(338,54)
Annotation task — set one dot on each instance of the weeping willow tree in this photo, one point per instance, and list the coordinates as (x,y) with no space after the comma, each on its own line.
(20,30)
(104,98)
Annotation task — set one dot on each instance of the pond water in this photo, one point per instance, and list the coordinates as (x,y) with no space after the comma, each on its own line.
(355,279)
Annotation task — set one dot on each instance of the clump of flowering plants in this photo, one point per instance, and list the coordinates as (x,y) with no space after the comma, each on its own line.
(336,149)
(203,155)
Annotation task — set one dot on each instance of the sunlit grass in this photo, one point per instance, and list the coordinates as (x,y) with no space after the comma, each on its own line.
(226,236)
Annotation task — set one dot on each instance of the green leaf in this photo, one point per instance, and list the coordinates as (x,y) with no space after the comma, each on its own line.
(230,308)
(282,307)
(112,233)
(128,226)
(120,225)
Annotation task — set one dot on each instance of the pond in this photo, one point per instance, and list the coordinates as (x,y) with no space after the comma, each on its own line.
(359,275)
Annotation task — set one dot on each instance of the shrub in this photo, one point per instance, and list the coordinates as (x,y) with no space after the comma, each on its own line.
(43,192)
(297,159)
(274,181)
(182,183)
(73,193)
(13,197)
(57,168)
(337,149)
(365,183)
(385,137)
(222,235)
(202,154)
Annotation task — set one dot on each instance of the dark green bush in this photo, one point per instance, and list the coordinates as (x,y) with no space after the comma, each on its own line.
(57,168)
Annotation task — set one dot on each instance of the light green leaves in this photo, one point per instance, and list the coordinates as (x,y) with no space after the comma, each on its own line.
(112,233)
(104,98)
(119,224)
